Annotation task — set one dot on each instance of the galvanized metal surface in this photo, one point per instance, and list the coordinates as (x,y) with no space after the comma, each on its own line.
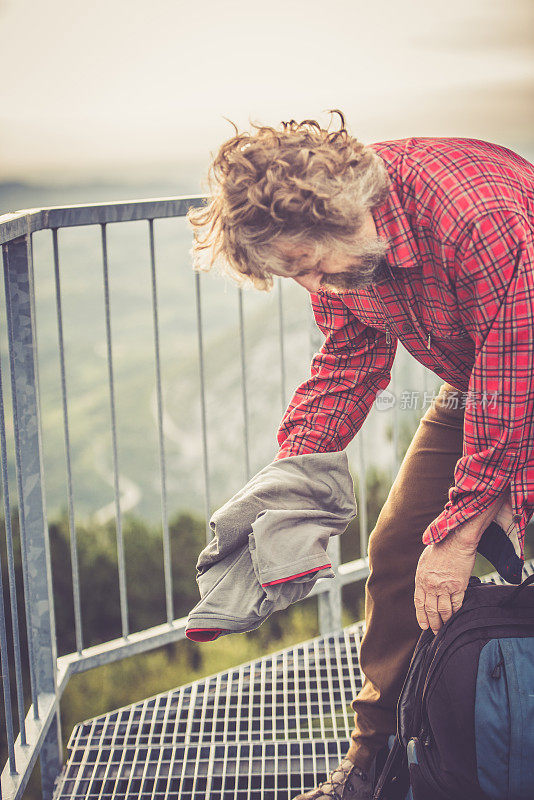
(66,434)
(203,411)
(6,681)
(27,221)
(37,731)
(161,442)
(114,446)
(30,480)
(281,338)
(12,596)
(266,729)
(43,719)
(244,395)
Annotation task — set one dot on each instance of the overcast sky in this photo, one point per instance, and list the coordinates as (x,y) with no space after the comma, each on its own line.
(111,85)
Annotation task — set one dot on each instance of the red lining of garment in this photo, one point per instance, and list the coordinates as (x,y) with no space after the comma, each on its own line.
(203,634)
(307,572)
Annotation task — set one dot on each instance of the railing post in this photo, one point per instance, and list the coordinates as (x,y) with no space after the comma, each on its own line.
(329,602)
(329,607)
(35,545)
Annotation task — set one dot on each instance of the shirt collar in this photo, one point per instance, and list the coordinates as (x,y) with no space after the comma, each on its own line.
(391,221)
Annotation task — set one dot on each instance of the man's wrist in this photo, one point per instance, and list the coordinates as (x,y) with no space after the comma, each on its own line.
(467,536)
(469,533)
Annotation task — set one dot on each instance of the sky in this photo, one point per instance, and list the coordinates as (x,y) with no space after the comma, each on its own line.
(123,87)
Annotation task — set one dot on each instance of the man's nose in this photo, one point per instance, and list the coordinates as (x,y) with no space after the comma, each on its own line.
(310,282)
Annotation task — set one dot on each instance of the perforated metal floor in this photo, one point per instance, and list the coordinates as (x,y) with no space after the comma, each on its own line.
(265,730)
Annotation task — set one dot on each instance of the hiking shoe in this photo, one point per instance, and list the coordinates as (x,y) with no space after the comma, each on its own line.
(345,782)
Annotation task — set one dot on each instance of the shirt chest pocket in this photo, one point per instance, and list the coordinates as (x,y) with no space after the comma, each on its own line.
(367,307)
(447,332)
(450,341)
(444,330)
(443,321)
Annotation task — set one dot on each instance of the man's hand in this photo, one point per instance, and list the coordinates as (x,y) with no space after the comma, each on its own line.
(441,579)
(444,569)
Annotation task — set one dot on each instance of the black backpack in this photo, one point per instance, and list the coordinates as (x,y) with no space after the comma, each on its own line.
(465,716)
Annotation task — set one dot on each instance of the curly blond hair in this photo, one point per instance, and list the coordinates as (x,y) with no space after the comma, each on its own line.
(302,184)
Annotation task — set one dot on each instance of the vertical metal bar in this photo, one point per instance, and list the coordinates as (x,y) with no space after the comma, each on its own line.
(52,744)
(362,493)
(395,423)
(351,673)
(300,707)
(328,602)
(6,683)
(164,516)
(22,531)
(282,348)
(72,528)
(30,479)
(423,404)
(285,694)
(274,699)
(307,690)
(118,516)
(8,712)
(244,383)
(11,571)
(318,675)
(425,380)
(341,661)
(164,727)
(330,704)
(203,415)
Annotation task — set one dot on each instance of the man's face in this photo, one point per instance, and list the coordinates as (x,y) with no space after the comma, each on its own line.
(333,271)
(336,271)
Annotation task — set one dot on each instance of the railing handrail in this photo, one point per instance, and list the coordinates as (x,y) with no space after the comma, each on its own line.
(29,220)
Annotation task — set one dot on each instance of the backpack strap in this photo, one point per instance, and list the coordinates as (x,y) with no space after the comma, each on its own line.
(510,600)
(394,780)
(474,580)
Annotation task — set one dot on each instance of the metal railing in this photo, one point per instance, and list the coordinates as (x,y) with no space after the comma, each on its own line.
(39,733)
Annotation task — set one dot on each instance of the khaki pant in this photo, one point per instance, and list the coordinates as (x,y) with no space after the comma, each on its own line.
(417,496)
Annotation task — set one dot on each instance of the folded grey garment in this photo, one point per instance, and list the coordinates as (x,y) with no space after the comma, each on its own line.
(270,543)
(234,601)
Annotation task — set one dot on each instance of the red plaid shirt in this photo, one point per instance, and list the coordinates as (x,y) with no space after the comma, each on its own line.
(460,298)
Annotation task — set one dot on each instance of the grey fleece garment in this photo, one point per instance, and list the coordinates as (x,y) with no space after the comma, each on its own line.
(269,544)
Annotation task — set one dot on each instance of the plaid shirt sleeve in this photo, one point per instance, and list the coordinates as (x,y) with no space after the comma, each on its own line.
(352,366)
(495,290)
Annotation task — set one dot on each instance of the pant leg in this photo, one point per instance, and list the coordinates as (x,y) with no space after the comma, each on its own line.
(417,496)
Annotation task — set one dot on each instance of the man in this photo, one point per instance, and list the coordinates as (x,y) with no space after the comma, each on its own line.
(428,241)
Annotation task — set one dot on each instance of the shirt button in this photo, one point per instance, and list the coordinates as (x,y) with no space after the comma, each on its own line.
(406,327)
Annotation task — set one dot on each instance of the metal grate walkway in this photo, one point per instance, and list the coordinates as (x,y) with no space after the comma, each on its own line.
(268,729)
(264,729)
